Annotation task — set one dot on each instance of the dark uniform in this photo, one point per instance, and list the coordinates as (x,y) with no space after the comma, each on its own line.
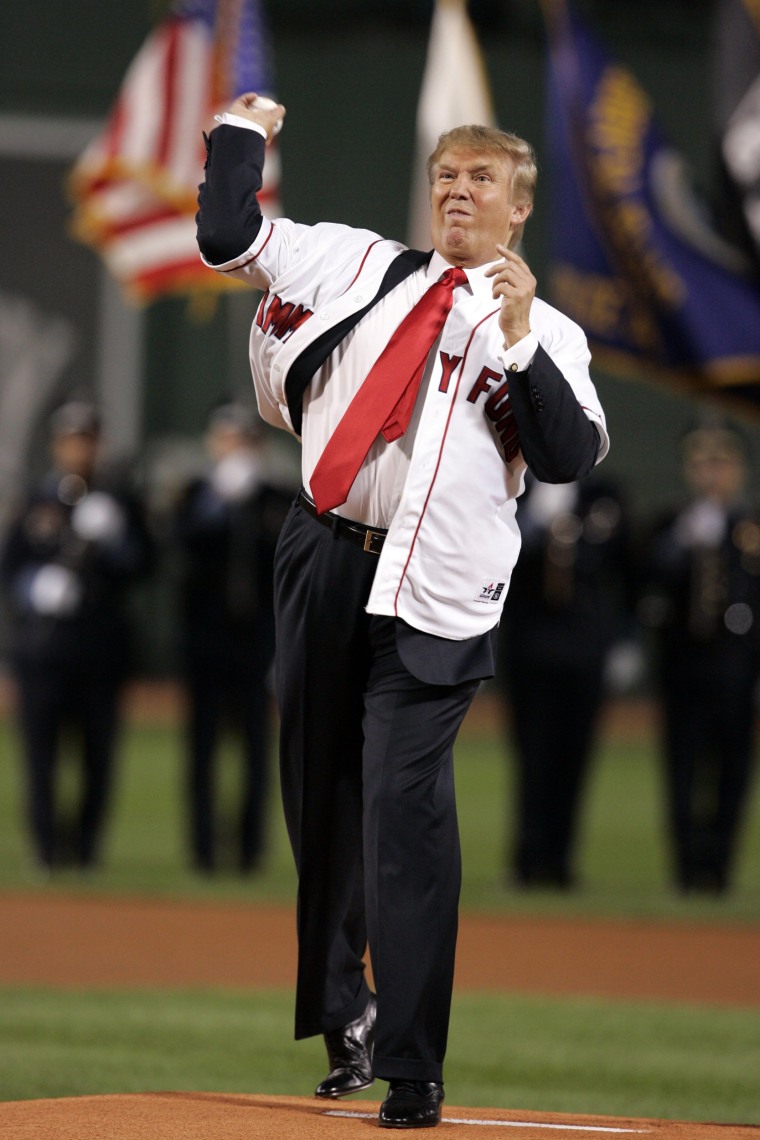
(702,601)
(69,553)
(226,527)
(569,600)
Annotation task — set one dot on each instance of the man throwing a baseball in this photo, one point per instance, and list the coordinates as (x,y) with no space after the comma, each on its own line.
(421,385)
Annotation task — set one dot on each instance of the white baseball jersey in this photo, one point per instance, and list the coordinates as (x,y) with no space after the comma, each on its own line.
(447,490)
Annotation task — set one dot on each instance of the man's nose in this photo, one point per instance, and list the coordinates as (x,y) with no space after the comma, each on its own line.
(459,187)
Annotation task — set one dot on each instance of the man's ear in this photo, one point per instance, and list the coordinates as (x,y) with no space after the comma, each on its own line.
(521,212)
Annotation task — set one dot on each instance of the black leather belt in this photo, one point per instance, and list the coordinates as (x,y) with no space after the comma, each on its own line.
(369,538)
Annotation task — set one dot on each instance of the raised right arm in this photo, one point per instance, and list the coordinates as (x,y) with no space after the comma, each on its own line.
(229,217)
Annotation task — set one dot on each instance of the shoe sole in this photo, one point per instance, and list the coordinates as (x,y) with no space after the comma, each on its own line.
(395,1124)
(341,1095)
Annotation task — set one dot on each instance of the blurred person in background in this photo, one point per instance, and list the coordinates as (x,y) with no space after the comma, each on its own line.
(702,603)
(565,640)
(225,527)
(70,552)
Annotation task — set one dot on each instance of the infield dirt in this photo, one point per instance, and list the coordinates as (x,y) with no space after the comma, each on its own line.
(143,943)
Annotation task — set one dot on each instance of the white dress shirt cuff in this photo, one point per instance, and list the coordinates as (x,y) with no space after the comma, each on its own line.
(519,357)
(238,121)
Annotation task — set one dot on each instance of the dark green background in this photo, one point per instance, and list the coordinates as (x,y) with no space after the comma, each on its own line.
(349,73)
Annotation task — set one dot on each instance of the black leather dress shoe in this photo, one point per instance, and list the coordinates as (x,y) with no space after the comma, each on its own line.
(349,1055)
(412,1104)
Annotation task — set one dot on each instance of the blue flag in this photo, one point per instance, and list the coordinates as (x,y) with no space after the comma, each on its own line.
(633,257)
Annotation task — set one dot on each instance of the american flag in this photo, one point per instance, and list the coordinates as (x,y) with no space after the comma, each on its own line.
(135,186)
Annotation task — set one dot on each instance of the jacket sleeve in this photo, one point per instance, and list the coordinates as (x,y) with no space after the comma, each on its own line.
(558,441)
(229,216)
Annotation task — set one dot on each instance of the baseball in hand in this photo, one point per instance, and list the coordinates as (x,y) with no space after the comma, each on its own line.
(262,103)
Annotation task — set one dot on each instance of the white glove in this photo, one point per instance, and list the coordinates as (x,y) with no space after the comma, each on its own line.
(548,500)
(98,518)
(237,475)
(701,524)
(55,591)
(625,667)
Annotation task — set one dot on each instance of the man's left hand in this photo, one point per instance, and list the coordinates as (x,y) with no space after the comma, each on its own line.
(514,283)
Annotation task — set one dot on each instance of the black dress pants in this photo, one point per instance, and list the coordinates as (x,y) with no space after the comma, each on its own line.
(555,712)
(53,698)
(368,793)
(708,709)
(228,695)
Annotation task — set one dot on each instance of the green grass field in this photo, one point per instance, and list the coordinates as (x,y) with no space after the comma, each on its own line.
(580,1056)
(566,1055)
(623,859)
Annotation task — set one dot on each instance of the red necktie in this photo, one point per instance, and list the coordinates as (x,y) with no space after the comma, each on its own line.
(385,400)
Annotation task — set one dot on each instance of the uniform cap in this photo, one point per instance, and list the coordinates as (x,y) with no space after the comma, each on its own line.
(712,442)
(237,416)
(75,417)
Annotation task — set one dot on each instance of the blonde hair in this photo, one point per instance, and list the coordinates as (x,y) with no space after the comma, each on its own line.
(507,146)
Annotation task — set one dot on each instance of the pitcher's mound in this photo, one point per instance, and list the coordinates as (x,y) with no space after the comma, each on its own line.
(223,1116)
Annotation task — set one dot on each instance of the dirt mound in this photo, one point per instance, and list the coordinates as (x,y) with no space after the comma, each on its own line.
(212,1116)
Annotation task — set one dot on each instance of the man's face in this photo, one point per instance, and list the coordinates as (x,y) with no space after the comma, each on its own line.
(472,207)
(75,453)
(719,476)
(223,440)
